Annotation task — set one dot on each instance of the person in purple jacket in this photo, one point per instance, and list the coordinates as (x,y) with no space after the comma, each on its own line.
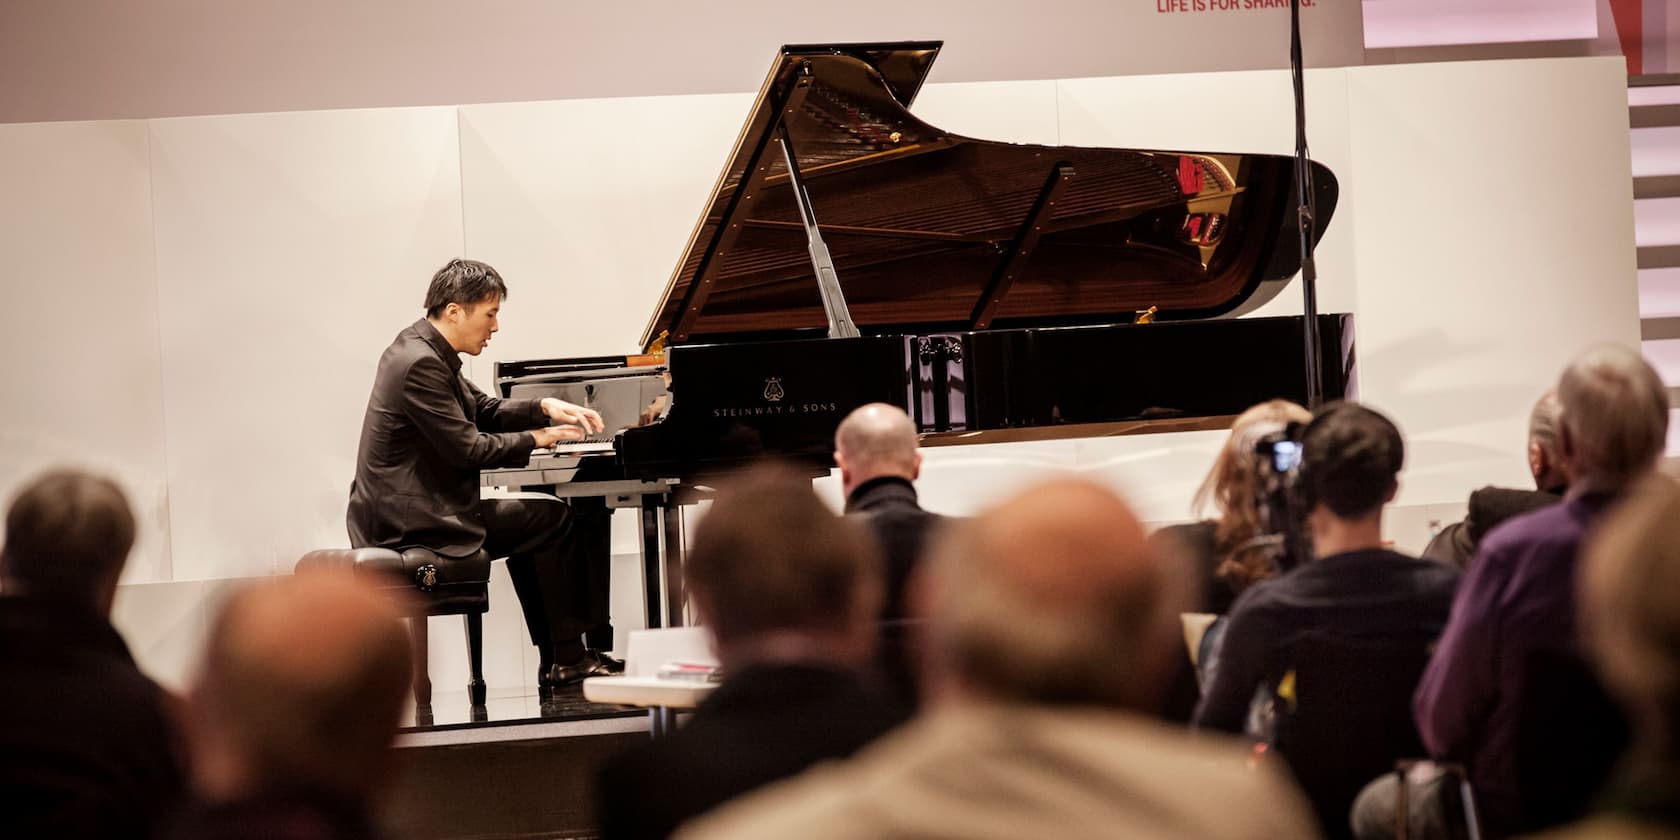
(1507,693)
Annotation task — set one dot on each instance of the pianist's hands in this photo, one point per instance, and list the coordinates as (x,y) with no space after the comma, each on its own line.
(564,413)
(550,435)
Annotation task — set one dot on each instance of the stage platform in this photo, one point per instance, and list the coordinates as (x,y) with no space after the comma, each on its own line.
(526,771)
(518,714)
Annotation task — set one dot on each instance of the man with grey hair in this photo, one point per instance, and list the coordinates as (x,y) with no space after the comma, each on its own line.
(1490,506)
(1052,624)
(87,742)
(1506,693)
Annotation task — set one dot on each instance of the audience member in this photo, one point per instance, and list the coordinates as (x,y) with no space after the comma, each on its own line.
(1052,622)
(1489,506)
(1229,552)
(791,593)
(876,450)
(87,743)
(1355,592)
(1630,623)
(293,715)
(1506,693)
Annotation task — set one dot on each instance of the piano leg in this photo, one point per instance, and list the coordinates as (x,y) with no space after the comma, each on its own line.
(651,566)
(422,685)
(673,572)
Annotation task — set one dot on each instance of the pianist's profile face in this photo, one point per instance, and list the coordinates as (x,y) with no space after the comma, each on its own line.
(469,327)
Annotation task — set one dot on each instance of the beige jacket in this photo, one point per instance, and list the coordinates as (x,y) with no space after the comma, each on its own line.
(1021,772)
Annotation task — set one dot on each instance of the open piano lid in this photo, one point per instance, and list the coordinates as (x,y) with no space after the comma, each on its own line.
(931,231)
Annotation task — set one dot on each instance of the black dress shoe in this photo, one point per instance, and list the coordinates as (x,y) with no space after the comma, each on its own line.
(591,665)
(613,664)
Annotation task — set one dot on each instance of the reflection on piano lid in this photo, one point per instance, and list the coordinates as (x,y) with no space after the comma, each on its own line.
(991,287)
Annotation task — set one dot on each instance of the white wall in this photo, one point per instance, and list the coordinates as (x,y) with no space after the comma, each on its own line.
(1484,235)
(83,382)
(108,59)
(290,249)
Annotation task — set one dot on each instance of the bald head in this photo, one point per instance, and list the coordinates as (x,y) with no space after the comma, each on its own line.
(301,686)
(1613,421)
(1054,596)
(874,441)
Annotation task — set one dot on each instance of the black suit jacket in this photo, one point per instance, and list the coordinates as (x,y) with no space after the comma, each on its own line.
(88,747)
(763,724)
(427,432)
(1456,544)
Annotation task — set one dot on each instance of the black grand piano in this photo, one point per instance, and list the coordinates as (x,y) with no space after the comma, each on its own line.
(851,253)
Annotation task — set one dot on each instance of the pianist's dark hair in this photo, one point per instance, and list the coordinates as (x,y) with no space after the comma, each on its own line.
(1350,456)
(465,282)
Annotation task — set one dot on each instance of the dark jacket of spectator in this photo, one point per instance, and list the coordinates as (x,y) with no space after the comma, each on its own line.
(763,724)
(1372,595)
(87,746)
(1489,507)
(888,504)
(281,815)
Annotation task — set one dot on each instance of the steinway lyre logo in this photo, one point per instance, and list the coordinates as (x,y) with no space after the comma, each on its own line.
(773,389)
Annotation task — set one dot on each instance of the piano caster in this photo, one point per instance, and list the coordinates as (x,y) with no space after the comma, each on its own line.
(477,692)
(423,715)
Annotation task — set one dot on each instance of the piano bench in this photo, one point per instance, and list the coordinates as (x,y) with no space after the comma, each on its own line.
(425,584)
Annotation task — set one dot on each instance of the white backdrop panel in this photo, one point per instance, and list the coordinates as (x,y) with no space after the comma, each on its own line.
(290,249)
(584,206)
(84,385)
(1495,241)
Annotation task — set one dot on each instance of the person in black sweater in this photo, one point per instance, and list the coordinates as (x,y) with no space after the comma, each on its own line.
(1354,593)
(790,592)
(876,450)
(88,746)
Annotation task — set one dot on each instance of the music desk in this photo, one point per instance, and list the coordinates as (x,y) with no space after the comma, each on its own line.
(662,698)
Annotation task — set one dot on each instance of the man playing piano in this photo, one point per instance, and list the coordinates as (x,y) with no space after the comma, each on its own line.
(428,431)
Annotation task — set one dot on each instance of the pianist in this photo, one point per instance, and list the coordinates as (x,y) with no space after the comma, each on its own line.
(428,431)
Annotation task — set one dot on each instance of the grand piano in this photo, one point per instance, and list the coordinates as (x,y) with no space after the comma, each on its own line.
(852,253)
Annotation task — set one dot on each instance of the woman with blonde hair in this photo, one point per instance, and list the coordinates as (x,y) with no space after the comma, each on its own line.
(1230,551)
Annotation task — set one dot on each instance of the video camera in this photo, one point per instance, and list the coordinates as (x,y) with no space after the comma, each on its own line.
(1277,464)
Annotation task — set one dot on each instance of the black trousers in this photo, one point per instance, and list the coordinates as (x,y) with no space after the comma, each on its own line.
(559,565)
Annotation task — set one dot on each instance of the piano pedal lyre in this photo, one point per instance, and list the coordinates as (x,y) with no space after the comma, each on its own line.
(1145,316)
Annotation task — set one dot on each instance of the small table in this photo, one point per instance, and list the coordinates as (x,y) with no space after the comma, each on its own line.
(662,698)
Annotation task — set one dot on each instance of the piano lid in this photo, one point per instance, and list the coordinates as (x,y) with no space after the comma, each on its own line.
(932,231)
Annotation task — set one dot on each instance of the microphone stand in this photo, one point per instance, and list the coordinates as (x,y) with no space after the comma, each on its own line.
(1304,214)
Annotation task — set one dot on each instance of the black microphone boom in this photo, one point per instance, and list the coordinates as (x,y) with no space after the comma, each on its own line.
(1304,215)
